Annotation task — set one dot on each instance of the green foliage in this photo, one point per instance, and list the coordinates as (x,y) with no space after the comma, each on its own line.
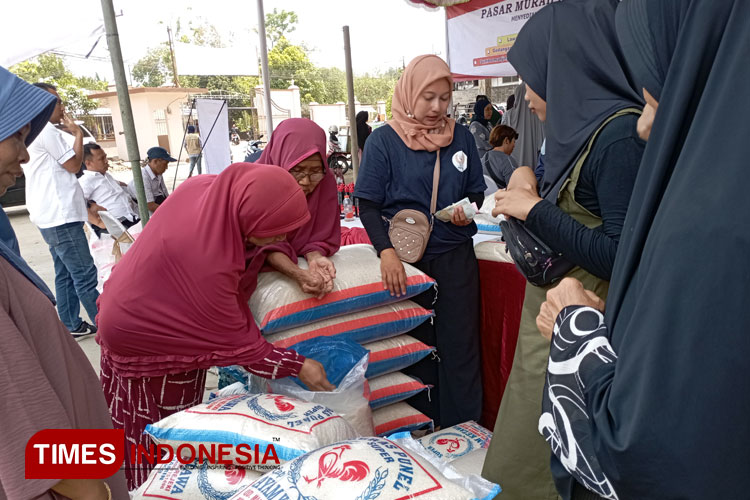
(51,68)
(155,68)
(279,24)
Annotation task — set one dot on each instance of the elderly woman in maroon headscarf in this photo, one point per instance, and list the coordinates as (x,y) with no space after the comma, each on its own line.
(298,145)
(177,302)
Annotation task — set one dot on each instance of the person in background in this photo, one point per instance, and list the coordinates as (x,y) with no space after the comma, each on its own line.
(657,379)
(333,140)
(498,163)
(189,309)
(60,389)
(153,181)
(363,130)
(57,207)
(567,54)
(479,126)
(510,102)
(101,188)
(193,147)
(396,174)
(298,146)
(529,127)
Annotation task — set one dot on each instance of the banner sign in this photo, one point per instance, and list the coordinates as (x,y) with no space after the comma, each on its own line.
(481,32)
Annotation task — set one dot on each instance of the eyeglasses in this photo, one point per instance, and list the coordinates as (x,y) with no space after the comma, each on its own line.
(312,176)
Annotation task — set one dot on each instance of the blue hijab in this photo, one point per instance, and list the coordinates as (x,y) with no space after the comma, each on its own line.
(479,112)
(21,103)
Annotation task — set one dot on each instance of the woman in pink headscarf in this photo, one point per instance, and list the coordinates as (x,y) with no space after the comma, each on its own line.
(298,145)
(177,302)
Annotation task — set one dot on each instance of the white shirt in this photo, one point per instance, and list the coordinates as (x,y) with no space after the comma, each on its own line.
(104,190)
(153,185)
(53,195)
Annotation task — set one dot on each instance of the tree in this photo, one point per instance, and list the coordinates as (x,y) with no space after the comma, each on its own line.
(371,89)
(155,68)
(73,90)
(279,25)
(333,86)
(287,62)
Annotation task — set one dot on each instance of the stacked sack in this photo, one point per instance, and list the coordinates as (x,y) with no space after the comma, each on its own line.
(360,310)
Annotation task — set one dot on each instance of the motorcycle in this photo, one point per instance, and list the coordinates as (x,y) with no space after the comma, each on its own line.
(253,151)
(339,162)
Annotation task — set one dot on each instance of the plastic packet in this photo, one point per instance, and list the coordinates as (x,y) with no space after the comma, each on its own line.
(470,210)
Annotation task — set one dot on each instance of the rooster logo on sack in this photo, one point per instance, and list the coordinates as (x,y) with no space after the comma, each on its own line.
(331,465)
(453,444)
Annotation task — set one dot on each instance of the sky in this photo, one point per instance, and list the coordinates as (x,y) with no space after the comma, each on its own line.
(384,33)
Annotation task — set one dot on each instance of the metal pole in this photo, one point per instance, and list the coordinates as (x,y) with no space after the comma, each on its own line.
(448,60)
(126,111)
(354,144)
(174,61)
(264,69)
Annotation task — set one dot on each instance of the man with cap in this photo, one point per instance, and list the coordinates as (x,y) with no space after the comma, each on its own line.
(57,207)
(153,183)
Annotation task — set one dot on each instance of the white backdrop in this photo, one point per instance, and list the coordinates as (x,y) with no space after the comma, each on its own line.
(216,146)
(481,32)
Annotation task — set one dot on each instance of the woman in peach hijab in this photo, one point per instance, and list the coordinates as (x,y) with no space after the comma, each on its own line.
(396,174)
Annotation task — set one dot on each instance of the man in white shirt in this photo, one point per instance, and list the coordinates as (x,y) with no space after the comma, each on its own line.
(153,182)
(100,187)
(56,206)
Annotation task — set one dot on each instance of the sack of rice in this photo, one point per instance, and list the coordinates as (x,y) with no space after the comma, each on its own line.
(364,468)
(351,397)
(265,429)
(394,354)
(175,481)
(361,327)
(392,388)
(400,417)
(279,304)
(471,463)
(457,441)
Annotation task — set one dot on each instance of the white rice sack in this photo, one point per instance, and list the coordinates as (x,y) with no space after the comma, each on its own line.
(494,250)
(457,441)
(364,468)
(471,463)
(399,417)
(278,425)
(174,481)
(279,304)
(365,326)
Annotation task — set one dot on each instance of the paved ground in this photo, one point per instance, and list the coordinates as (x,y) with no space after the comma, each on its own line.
(36,252)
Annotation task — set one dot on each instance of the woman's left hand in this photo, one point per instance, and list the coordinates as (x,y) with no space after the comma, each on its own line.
(323,265)
(516,202)
(569,292)
(459,217)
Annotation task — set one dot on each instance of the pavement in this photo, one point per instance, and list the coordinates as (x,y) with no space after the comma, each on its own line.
(36,252)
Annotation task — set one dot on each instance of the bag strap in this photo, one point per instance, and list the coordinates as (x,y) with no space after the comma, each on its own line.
(435,182)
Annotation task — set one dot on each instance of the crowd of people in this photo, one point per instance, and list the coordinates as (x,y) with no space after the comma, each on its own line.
(626,381)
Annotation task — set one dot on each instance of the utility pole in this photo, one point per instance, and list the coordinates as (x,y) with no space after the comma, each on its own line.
(174,61)
(264,70)
(126,110)
(353,142)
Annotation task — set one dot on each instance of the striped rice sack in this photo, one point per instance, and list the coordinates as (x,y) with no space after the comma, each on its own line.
(394,354)
(278,303)
(361,327)
(399,417)
(392,388)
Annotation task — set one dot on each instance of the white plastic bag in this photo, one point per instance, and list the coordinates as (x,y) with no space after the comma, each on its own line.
(351,399)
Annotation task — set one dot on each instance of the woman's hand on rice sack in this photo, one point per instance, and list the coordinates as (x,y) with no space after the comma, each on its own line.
(516,202)
(459,217)
(569,292)
(393,273)
(313,375)
(317,262)
(313,282)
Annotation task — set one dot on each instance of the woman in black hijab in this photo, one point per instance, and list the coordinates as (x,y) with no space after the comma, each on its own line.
(659,382)
(569,57)
(480,125)
(363,130)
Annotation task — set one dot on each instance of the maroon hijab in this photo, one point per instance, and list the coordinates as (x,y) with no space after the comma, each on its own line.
(294,140)
(178,299)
